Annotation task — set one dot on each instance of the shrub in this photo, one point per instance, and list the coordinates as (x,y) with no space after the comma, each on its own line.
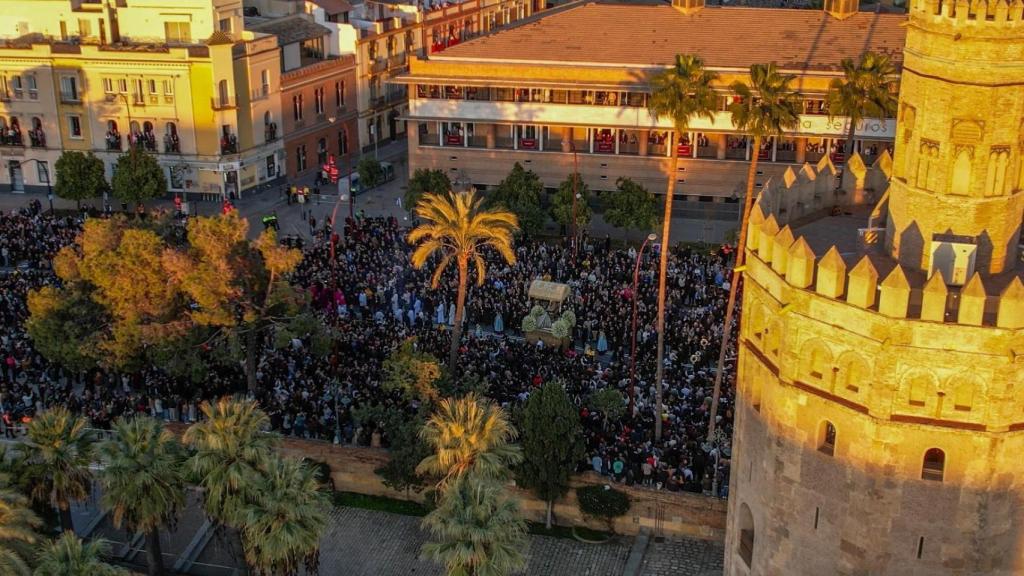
(603,503)
(529,324)
(570,317)
(560,328)
(537,311)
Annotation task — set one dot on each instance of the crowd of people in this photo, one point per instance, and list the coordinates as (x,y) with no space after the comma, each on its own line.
(361,285)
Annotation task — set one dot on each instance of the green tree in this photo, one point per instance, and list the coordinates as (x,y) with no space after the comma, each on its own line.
(413,372)
(458,227)
(476,530)
(630,206)
(59,457)
(609,402)
(682,92)
(520,193)
(866,90)
(283,523)
(80,176)
(552,443)
(62,323)
(406,449)
(602,502)
(424,181)
(18,533)
(138,177)
(143,480)
(562,203)
(69,556)
(371,173)
(469,434)
(766,108)
(230,448)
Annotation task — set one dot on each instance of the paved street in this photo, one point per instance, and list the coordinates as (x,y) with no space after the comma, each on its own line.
(683,556)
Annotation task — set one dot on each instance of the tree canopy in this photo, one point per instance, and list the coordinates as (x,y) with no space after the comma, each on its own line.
(630,206)
(561,203)
(520,193)
(138,177)
(80,176)
(425,181)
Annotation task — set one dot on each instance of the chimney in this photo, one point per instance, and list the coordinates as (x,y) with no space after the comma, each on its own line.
(688,6)
(841,9)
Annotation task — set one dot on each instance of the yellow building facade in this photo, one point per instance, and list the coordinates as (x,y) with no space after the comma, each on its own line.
(879,418)
(176,79)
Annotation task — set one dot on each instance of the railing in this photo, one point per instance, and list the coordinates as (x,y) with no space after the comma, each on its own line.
(113,141)
(37,138)
(229,144)
(172,145)
(261,93)
(70,97)
(10,137)
(222,102)
(378,66)
(270,133)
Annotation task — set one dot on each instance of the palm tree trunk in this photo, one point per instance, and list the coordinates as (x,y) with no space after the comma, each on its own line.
(460,304)
(547,521)
(734,286)
(154,556)
(848,149)
(64,511)
(666,228)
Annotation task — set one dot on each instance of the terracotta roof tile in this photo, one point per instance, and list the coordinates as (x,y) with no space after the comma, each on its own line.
(734,37)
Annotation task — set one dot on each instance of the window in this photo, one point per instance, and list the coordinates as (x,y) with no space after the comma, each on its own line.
(271,167)
(224,97)
(178,32)
(137,91)
(69,88)
(339,94)
(224,24)
(151,86)
(920,547)
(300,158)
(84,28)
(745,546)
(63,30)
(934,467)
(297,107)
(321,151)
(265,82)
(16,86)
(827,438)
(33,88)
(122,85)
(75,126)
(318,100)
(108,85)
(43,171)
(342,142)
(168,88)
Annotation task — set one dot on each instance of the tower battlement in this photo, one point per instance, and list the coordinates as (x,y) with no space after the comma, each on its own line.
(982,17)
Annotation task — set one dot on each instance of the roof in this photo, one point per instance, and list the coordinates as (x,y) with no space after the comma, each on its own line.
(219,38)
(334,6)
(550,291)
(291,29)
(653,34)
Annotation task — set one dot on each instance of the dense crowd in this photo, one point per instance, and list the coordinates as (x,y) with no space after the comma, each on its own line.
(373,300)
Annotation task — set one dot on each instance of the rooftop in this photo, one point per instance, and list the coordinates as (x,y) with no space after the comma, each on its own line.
(653,34)
(289,30)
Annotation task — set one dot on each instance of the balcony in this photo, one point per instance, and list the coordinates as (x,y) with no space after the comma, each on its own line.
(378,66)
(261,93)
(37,138)
(223,103)
(270,132)
(143,141)
(397,62)
(70,97)
(11,137)
(113,141)
(229,144)
(171,144)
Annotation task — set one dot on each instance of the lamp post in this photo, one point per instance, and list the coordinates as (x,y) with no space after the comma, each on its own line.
(575,195)
(636,296)
(46,174)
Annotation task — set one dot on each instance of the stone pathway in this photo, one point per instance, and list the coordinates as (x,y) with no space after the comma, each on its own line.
(364,543)
(683,557)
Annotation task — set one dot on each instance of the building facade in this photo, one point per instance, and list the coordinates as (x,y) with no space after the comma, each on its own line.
(567,87)
(879,421)
(176,79)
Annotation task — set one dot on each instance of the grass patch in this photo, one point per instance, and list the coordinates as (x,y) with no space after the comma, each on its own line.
(379,503)
(538,529)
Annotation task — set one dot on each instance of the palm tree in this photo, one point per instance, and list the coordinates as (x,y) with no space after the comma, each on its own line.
(468,434)
(59,460)
(766,108)
(69,556)
(18,526)
(476,531)
(281,528)
(682,93)
(143,480)
(864,91)
(457,226)
(231,446)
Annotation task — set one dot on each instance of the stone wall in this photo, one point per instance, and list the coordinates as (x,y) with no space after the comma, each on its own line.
(668,513)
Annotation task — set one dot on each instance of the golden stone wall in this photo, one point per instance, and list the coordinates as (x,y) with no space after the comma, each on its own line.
(853,368)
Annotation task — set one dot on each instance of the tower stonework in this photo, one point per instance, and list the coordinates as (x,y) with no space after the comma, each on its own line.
(880,405)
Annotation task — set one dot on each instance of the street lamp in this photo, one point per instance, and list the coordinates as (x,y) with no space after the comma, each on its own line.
(575,196)
(636,296)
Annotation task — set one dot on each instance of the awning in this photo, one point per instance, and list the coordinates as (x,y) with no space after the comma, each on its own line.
(550,291)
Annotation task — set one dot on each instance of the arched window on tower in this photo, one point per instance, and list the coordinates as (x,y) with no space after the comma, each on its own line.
(745,546)
(827,438)
(934,465)
(962,172)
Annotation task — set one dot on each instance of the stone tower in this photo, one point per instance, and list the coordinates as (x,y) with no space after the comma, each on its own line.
(880,398)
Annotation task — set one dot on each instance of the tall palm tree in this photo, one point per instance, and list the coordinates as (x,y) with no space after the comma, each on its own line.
(69,556)
(18,526)
(457,226)
(476,531)
(767,107)
(282,526)
(58,464)
(864,91)
(143,480)
(468,434)
(682,93)
(231,446)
